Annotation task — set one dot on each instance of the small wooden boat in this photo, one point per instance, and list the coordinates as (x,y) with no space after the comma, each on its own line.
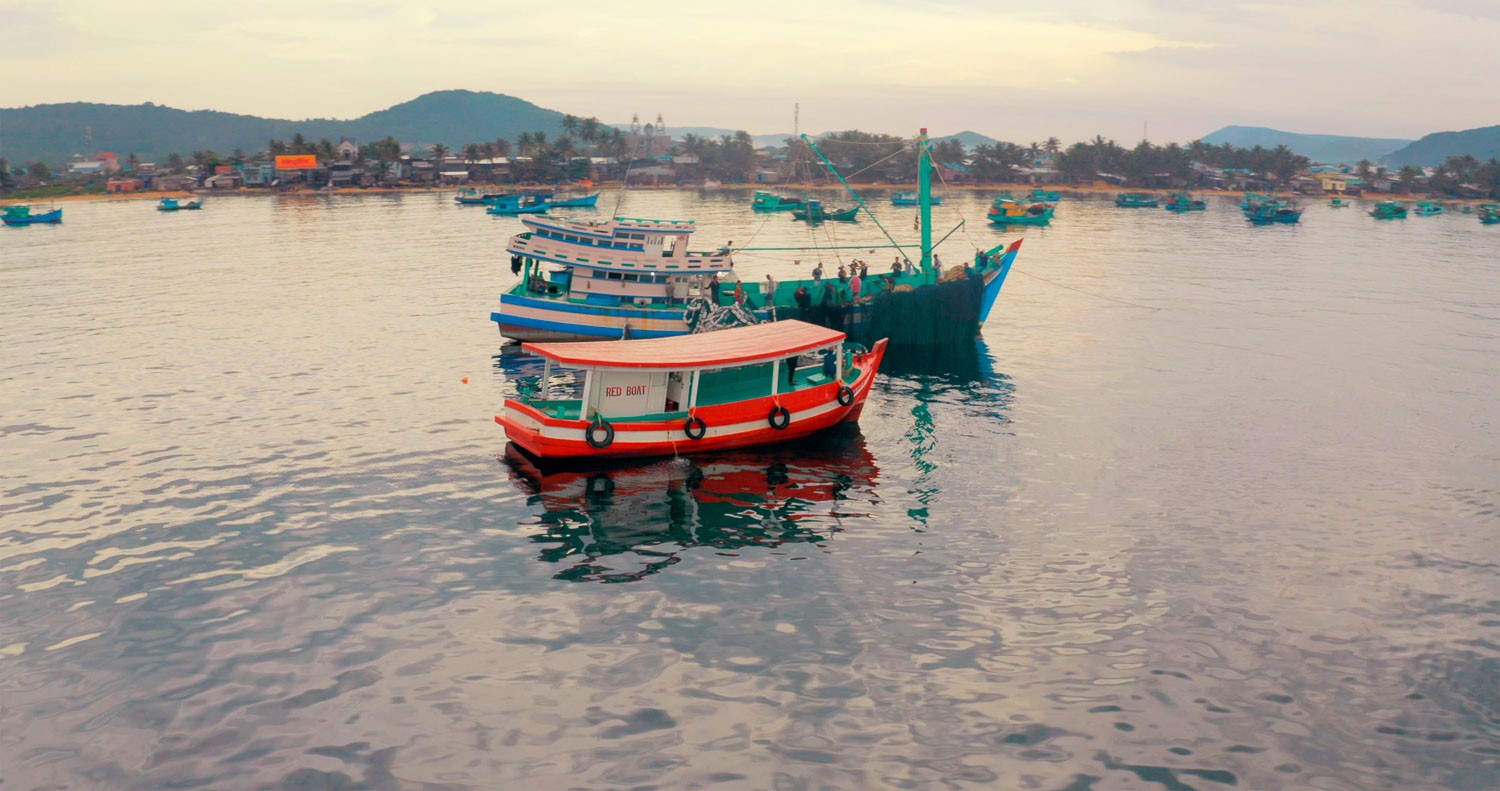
(1428,208)
(1183,201)
(1136,200)
(1009,211)
(1044,196)
(20,214)
(1339,203)
(1274,212)
(770,201)
(1389,210)
(814,211)
(732,388)
(1255,199)
(1489,214)
(172,204)
(911,199)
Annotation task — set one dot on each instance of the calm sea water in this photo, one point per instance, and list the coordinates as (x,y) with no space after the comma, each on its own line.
(1212,506)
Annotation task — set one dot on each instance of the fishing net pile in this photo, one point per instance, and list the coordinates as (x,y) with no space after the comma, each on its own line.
(703,317)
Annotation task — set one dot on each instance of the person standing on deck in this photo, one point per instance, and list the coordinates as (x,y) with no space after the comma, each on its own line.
(843,275)
(739,294)
(770,290)
(671,292)
(804,301)
(817,273)
(854,285)
(713,289)
(864,270)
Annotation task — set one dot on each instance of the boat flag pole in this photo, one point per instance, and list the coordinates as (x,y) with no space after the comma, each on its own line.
(924,195)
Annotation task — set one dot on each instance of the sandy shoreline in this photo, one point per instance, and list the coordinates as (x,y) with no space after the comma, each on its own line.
(1018,189)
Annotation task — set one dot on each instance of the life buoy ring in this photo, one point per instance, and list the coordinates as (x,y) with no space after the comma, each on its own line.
(779,418)
(687,428)
(590,434)
(846,396)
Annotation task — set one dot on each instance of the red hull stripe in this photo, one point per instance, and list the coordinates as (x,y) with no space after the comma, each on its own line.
(735,346)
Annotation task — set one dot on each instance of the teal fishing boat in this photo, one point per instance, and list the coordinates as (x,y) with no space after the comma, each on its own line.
(1428,208)
(815,211)
(1040,195)
(1339,203)
(1184,201)
(1489,215)
(912,199)
(1274,212)
(1136,200)
(638,278)
(770,201)
(21,214)
(1009,211)
(1389,210)
(172,204)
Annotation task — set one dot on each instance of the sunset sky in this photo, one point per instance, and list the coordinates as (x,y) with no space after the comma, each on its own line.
(1016,71)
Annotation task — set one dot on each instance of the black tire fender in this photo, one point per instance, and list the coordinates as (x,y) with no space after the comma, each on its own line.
(687,428)
(846,396)
(591,434)
(779,418)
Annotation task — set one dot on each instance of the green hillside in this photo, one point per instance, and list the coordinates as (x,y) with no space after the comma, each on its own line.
(53,133)
(1482,143)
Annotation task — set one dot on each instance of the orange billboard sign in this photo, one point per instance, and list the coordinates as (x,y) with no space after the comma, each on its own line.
(296,162)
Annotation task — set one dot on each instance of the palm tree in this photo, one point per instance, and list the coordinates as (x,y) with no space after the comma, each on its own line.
(525,143)
(570,124)
(500,148)
(1408,176)
(439,152)
(1052,146)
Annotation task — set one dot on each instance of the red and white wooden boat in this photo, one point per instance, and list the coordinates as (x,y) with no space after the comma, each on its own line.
(732,388)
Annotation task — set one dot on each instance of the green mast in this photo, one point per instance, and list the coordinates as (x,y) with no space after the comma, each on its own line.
(924,196)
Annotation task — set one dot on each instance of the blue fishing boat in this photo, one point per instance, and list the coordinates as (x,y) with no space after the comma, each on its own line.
(1136,200)
(770,201)
(515,203)
(172,204)
(468,196)
(911,199)
(1389,210)
(1428,208)
(1009,211)
(1274,212)
(1183,201)
(20,214)
(573,202)
(1489,215)
(1040,195)
(638,278)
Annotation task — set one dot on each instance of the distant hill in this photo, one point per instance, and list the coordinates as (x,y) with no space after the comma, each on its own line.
(1318,148)
(1482,143)
(969,139)
(53,133)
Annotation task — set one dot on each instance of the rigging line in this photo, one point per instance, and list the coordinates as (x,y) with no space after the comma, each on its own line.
(624,185)
(1083,291)
(831,169)
(964,220)
(876,162)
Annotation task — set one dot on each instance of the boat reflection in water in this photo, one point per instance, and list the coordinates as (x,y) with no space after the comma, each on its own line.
(623,523)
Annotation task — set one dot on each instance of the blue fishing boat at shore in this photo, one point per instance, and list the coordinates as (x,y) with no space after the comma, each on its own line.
(1184,201)
(770,201)
(1274,212)
(516,203)
(172,204)
(631,277)
(1136,200)
(20,214)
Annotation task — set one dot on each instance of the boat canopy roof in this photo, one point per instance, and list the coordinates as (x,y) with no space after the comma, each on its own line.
(721,349)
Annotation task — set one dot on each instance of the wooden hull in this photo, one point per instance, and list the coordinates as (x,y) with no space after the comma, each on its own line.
(740,424)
